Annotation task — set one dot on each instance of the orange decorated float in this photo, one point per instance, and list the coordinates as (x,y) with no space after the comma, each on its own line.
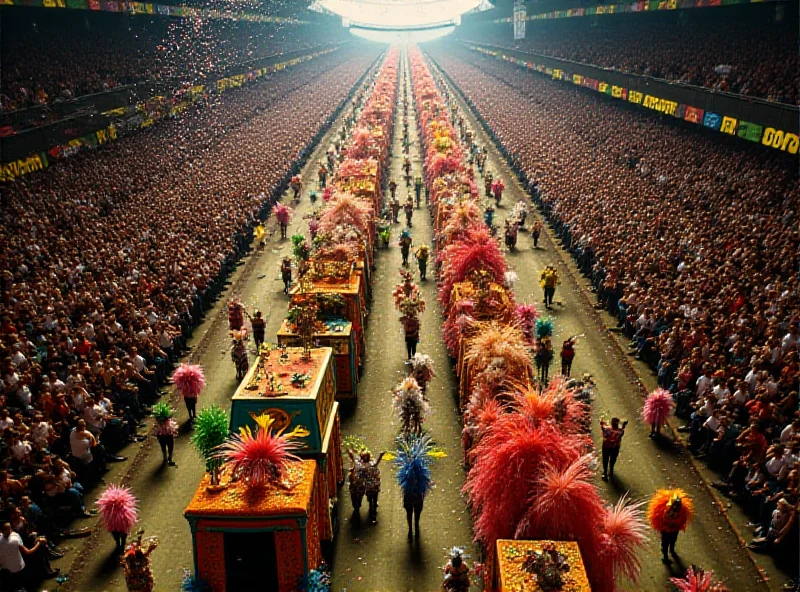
(297,390)
(522,565)
(258,538)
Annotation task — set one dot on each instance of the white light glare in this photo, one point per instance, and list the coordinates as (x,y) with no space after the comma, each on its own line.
(399,14)
(390,36)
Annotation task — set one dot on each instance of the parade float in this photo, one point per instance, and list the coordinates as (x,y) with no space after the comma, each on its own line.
(259,529)
(337,291)
(537,515)
(296,388)
(335,267)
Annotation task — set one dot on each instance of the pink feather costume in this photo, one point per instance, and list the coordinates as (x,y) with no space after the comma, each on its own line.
(657,408)
(117,508)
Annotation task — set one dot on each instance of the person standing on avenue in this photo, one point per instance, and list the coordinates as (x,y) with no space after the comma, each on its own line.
(612,440)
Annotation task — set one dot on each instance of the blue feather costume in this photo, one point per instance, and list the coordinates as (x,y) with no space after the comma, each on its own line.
(413,467)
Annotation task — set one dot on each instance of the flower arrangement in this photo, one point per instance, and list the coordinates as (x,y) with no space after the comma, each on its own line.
(300,380)
(548,566)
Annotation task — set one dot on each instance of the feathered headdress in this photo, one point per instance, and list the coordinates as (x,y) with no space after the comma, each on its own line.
(162,412)
(412,462)
(117,507)
(283,214)
(665,500)
(544,327)
(526,316)
(189,380)
(409,404)
(422,365)
(657,407)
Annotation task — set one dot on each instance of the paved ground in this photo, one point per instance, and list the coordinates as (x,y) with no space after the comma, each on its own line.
(378,557)
(645,465)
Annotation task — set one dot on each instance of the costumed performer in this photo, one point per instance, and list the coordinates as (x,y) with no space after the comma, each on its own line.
(414,475)
(283,214)
(189,381)
(568,355)
(408,208)
(656,410)
(365,479)
(422,253)
(136,564)
(422,370)
(612,442)
(548,279)
(497,190)
(165,431)
(405,246)
(410,406)
(456,572)
(118,511)
(235,314)
(286,274)
(670,512)
(239,354)
(543,358)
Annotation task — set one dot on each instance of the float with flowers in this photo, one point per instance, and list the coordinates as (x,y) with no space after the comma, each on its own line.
(536,512)
(273,467)
(335,265)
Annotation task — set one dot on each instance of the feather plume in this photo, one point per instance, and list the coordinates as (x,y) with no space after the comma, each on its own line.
(262,457)
(412,463)
(210,431)
(477,252)
(348,210)
(698,580)
(459,316)
(664,499)
(495,340)
(162,412)
(283,214)
(565,505)
(509,459)
(189,379)
(544,327)
(117,507)
(657,407)
(410,405)
(526,315)
(624,533)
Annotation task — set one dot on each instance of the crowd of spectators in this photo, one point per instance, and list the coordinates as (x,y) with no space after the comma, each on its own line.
(691,242)
(738,49)
(109,260)
(59,55)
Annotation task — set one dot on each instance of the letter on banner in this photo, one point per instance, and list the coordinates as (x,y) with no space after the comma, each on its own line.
(694,115)
(635,96)
(712,120)
(728,125)
(750,131)
(785,141)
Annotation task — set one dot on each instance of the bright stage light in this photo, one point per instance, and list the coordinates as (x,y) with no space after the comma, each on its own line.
(407,36)
(400,14)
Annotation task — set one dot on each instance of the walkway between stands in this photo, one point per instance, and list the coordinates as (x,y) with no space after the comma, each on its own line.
(370,557)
